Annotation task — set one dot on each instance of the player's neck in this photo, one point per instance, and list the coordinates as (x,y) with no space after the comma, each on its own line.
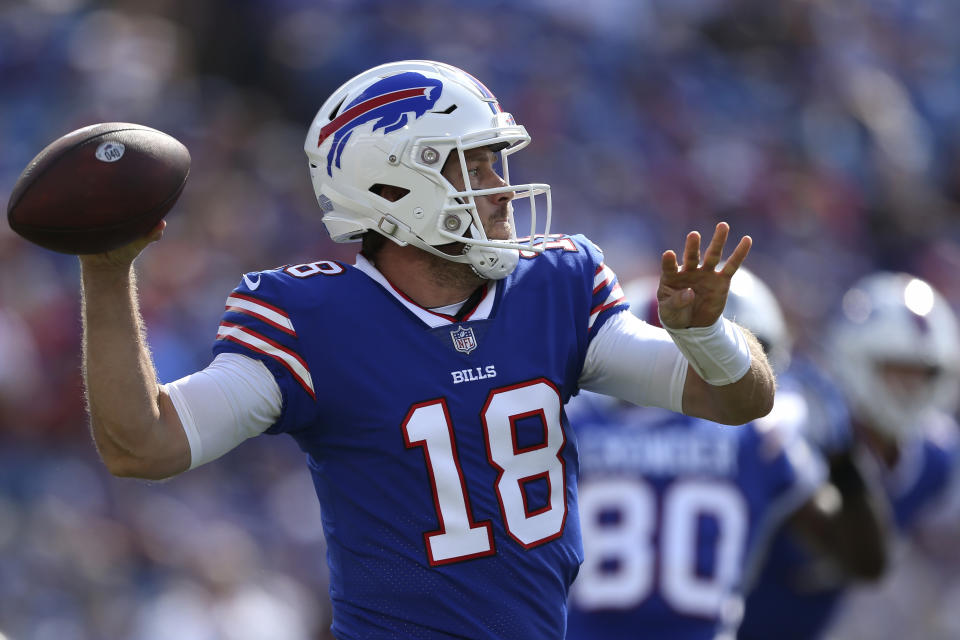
(428,280)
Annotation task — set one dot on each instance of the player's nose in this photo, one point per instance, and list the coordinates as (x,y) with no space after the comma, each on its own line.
(502,197)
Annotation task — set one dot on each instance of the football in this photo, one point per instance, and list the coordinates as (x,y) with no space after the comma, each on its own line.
(98,188)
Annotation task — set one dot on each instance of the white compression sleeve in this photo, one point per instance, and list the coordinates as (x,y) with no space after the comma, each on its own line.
(637,362)
(233,399)
(718,353)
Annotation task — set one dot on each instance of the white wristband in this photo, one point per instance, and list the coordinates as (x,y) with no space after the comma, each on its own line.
(718,353)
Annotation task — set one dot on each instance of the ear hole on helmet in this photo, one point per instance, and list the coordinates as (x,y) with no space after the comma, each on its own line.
(336,109)
(389,192)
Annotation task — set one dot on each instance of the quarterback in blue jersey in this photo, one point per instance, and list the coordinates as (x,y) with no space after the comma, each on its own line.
(895,348)
(426,382)
(675,511)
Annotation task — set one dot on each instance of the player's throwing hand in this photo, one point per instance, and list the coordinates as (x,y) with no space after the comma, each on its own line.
(694,294)
(122,257)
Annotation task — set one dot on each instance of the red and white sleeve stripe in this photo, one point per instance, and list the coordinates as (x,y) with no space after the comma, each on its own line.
(601,279)
(262,344)
(275,317)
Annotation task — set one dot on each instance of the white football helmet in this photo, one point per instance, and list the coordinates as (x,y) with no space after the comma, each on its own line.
(395,125)
(895,319)
(750,303)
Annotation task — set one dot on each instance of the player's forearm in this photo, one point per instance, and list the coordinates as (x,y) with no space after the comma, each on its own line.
(748,398)
(751,396)
(123,396)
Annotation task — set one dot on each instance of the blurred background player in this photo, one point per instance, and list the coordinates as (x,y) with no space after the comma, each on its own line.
(676,510)
(894,349)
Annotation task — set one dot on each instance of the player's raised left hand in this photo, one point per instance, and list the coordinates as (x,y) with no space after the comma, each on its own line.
(694,294)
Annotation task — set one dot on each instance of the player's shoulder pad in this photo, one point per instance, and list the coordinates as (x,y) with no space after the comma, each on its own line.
(287,283)
(568,256)
(560,248)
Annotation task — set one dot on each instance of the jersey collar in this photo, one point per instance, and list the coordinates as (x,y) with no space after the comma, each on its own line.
(432,319)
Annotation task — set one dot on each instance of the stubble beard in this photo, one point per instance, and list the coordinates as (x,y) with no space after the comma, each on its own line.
(448,273)
(455,274)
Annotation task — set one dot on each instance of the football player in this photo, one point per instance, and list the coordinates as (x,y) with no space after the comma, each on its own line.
(676,510)
(895,349)
(426,382)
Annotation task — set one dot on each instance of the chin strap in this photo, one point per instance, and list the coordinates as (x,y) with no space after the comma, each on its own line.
(492,263)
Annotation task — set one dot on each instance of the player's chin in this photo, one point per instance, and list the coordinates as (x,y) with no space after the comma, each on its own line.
(501,231)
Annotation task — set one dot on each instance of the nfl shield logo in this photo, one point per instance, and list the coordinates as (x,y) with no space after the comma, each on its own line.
(463,339)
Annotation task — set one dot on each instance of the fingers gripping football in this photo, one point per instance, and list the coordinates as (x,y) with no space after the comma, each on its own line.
(694,294)
(122,257)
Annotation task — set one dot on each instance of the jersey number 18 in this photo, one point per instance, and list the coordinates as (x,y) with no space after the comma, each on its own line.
(460,536)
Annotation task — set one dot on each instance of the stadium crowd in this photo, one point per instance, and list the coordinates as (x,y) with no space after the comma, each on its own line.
(826,131)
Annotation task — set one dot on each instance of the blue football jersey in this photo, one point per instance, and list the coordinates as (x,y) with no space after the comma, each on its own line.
(672,510)
(439,448)
(796,595)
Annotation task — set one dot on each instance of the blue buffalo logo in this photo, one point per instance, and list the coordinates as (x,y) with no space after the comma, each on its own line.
(389,102)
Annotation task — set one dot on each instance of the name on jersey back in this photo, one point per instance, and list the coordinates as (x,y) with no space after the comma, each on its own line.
(659,453)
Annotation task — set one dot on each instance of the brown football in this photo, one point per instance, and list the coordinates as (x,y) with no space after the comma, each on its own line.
(98,188)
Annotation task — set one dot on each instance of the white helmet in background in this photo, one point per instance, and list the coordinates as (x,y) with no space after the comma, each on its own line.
(895,319)
(395,125)
(750,303)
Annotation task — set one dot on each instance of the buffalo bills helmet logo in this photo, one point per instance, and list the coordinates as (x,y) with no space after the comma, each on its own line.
(388,101)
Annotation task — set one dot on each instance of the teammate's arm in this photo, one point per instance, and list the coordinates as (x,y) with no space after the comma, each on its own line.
(135,427)
(846,520)
(730,380)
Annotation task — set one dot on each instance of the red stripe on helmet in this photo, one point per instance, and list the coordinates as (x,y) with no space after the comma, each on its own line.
(367,105)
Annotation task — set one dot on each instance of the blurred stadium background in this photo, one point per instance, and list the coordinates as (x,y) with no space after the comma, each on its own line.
(826,130)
